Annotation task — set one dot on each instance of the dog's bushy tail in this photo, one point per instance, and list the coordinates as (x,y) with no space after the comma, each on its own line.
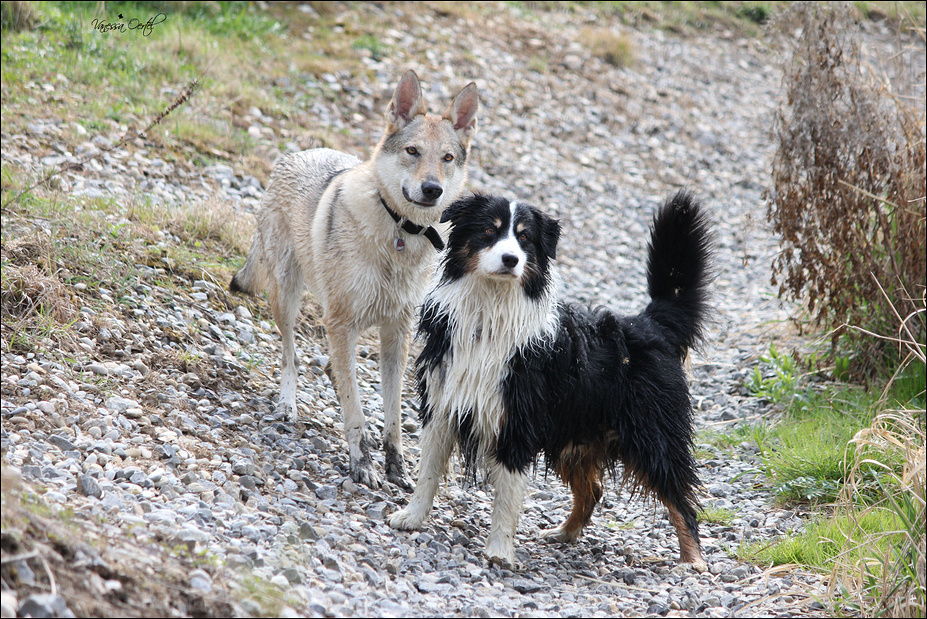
(248,278)
(679,270)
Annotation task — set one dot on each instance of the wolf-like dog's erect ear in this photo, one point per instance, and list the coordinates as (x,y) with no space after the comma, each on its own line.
(550,232)
(406,104)
(462,112)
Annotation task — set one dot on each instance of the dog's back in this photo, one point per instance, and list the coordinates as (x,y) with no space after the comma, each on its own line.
(283,237)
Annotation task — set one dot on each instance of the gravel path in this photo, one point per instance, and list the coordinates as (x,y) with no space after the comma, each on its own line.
(164,456)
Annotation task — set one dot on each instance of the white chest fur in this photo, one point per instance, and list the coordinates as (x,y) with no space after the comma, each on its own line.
(489,321)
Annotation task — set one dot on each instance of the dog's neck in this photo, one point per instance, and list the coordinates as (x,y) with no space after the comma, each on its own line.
(430,233)
(497,314)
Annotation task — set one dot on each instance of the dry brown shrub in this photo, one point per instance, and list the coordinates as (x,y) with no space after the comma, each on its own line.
(613,48)
(29,283)
(27,291)
(849,180)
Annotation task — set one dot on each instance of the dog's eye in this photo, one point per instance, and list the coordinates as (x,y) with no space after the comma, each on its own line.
(411,150)
(449,157)
(490,231)
(523,236)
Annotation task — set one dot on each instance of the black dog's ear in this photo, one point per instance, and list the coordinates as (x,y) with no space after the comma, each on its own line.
(550,232)
(460,206)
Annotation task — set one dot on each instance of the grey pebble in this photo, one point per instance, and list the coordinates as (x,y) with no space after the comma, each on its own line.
(44,605)
(88,486)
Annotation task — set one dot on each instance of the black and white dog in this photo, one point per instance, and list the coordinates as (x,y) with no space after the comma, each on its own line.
(508,372)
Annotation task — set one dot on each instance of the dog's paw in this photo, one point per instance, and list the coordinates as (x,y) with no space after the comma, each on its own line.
(500,551)
(406,519)
(560,534)
(395,472)
(698,564)
(287,410)
(363,472)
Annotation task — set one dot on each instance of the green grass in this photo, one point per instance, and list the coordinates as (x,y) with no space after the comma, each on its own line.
(804,451)
(823,540)
(717,515)
(113,82)
(858,454)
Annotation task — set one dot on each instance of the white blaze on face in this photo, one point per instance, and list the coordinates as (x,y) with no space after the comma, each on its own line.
(505,258)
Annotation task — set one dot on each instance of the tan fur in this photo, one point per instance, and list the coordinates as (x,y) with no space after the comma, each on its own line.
(322,224)
(581,468)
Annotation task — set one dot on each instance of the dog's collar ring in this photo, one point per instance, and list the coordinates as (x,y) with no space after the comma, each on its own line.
(404,224)
(398,243)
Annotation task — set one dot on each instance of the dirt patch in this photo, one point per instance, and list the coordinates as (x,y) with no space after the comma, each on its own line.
(100,574)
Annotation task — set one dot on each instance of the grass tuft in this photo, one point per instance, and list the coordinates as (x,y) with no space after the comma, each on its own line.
(17,15)
(613,48)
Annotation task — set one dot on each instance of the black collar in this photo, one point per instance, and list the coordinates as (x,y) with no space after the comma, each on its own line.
(430,233)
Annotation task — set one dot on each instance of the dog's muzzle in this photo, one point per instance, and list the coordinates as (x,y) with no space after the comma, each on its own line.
(431,192)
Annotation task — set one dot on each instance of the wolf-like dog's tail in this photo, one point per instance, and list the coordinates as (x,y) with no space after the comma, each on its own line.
(678,270)
(247,279)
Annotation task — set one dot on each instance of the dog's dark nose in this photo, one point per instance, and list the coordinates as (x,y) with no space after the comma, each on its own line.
(509,260)
(431,190)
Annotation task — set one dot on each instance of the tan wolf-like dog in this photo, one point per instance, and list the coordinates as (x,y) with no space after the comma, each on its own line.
(361,236)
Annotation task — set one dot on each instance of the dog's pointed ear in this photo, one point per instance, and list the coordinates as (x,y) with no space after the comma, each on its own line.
(456,208)
(406,104)
(462,112)
(550,232)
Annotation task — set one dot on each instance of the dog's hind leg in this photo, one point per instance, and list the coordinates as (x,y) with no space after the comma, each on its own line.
(583,476)
(672,479)
(507,504)
(437,445)
(394,348)
(285,295)
(687,534)
(342,337)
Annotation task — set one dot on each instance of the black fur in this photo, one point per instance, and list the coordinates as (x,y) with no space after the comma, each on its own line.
(613,383)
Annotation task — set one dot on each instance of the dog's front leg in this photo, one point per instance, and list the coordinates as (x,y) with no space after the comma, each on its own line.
(342,339)
(394,348)
(437,445)
(507,504)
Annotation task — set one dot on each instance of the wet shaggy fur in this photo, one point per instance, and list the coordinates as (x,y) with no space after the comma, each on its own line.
(508,372)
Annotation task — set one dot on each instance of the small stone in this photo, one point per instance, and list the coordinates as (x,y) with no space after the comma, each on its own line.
(572,62)
(96,368)
(61,443)
(526,586)
(292,575)
(44,605)
(200,581)
(8,604)
(139,366)
(281,581)
(88,486)
(326,492)
(308,532)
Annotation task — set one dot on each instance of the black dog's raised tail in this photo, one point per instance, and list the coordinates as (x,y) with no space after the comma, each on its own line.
(678,270)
